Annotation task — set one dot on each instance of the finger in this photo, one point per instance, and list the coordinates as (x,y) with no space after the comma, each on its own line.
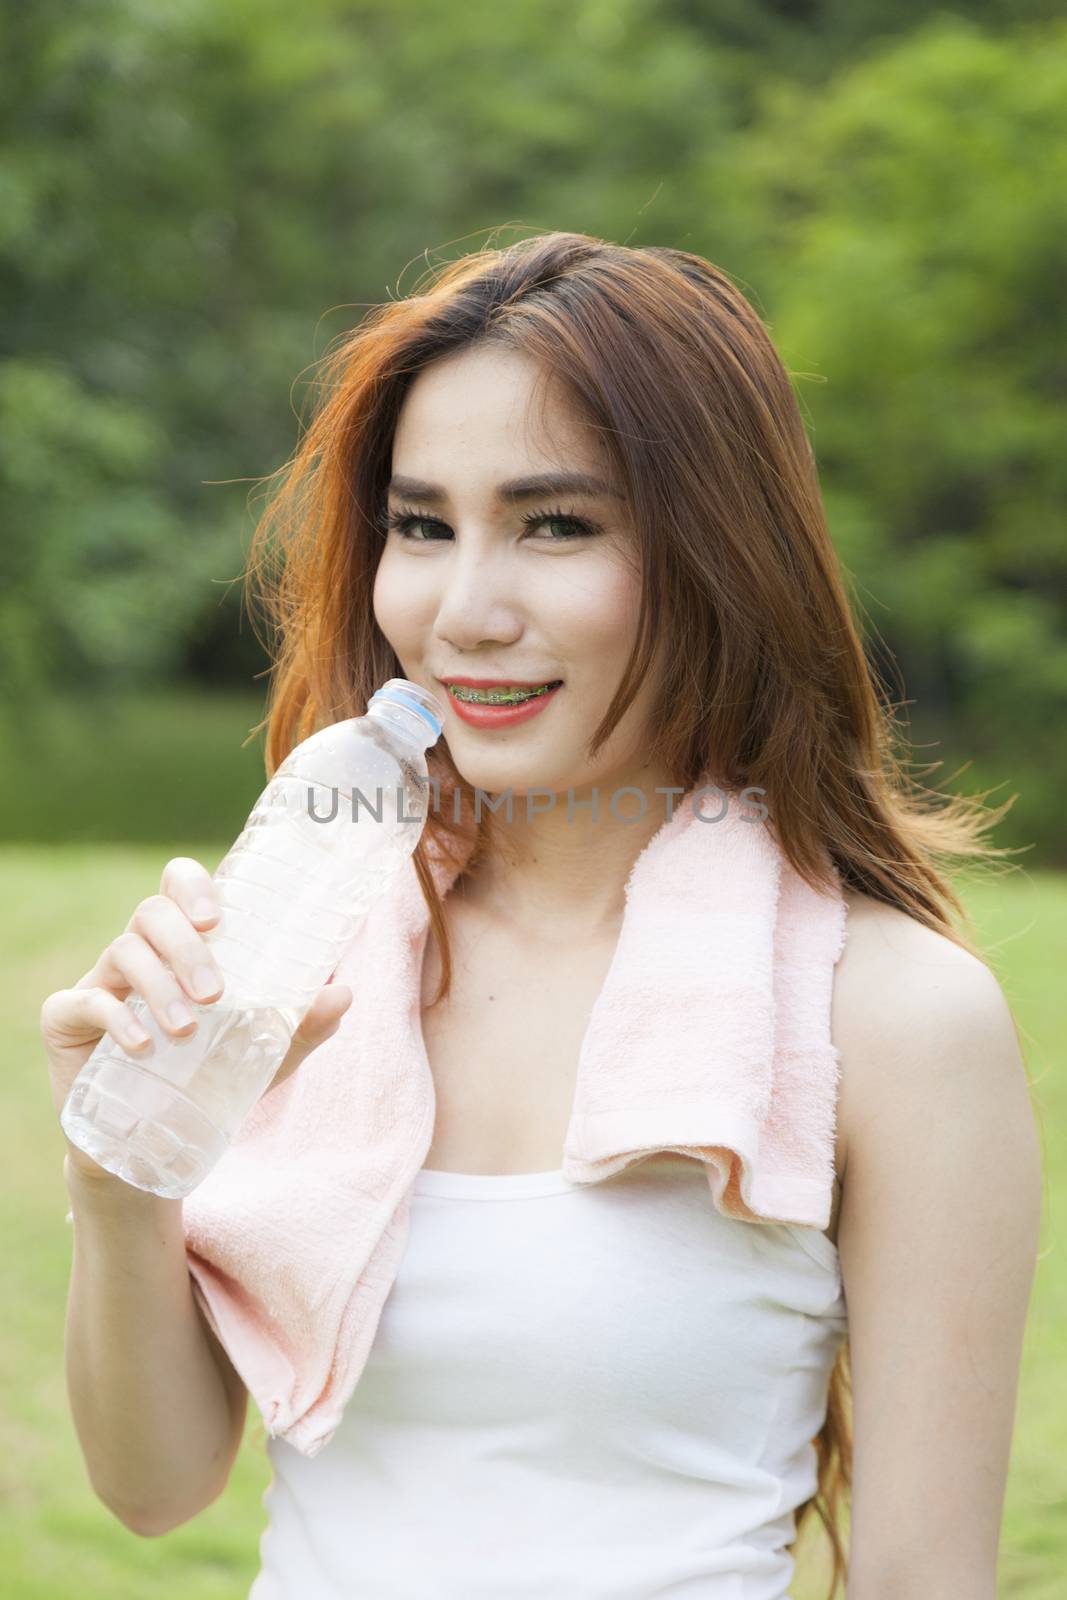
(323,1016)
(163,925)
(189,883)
(73,1017)
(321,1022)
(129,962)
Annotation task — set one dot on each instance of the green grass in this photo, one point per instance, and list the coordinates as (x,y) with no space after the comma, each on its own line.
(57,1540)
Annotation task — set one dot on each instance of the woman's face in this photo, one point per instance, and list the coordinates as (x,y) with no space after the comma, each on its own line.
(474,588)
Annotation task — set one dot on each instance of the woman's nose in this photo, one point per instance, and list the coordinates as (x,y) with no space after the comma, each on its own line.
(478,599)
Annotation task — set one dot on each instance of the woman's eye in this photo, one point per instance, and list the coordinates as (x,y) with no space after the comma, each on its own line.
(404,524)
(575,527)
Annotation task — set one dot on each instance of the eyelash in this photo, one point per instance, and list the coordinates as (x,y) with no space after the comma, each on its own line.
(401,522)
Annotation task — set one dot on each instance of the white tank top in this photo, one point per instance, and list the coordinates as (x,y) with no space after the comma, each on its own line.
(606,1391)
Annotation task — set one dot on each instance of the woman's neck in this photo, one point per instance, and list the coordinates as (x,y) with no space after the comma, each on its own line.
(554,873)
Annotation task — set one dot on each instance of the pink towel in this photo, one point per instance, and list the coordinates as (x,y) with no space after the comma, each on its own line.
(710,1037)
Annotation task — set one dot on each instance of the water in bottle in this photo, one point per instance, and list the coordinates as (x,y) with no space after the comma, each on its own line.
(341,814)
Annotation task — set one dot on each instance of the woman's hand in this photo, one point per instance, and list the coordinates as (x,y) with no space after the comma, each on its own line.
(166,928)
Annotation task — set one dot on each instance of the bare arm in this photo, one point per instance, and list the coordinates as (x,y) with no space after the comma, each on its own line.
(938,1240)
(158,1422)
(158,1408)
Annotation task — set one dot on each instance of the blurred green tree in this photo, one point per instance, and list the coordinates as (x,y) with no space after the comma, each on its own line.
(907,230)
(183,189)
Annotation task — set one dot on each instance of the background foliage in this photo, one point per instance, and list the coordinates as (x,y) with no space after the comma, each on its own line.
(196,198)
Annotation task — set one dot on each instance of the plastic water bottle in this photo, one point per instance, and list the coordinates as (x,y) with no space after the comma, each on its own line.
(329,832)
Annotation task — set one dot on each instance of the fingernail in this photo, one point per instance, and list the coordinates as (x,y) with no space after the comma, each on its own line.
(179,1014)
(135,1034)
(205,982)
(203,910)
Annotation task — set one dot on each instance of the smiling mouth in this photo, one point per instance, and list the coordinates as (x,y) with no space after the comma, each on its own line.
(500,695)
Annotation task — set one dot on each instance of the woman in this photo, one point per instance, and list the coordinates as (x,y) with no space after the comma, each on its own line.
(580,468)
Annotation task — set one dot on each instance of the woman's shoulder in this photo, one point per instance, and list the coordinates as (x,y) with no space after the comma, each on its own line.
(908,1005)
(885,945)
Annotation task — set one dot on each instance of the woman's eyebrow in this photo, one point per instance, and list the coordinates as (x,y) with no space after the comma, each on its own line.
(514,490)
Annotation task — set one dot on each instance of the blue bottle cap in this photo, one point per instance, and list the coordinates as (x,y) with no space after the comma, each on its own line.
(403,692)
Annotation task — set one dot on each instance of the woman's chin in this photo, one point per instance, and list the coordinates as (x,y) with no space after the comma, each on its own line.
(515,774)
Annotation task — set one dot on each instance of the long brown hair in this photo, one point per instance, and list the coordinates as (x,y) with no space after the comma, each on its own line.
(766,680)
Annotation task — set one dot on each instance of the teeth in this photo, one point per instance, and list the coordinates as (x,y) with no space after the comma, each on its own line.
(496,697)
